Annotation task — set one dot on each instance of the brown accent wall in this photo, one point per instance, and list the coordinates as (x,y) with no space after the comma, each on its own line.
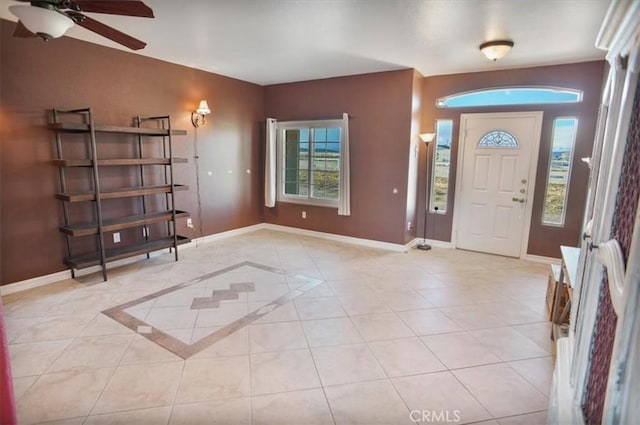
(380,107)
(67,73)
(588,77)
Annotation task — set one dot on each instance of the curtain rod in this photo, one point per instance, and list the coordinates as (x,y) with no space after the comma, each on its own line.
(315,119)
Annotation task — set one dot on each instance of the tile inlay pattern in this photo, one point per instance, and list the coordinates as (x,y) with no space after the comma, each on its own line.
(191,316)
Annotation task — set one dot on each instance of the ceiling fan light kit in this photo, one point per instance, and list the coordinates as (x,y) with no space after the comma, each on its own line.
(44,22)
(49,19)
(495,50)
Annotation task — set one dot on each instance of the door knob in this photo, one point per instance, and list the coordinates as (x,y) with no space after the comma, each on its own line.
(521,200)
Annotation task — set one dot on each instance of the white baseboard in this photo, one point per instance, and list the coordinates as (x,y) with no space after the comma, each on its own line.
(541,259)
(35,282)
(433,242)
(338,238)
(66,274)
(224,235)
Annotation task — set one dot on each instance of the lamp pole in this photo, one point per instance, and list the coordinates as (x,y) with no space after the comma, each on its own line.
(427,138)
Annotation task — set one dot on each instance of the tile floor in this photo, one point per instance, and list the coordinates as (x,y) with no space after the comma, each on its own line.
(446,336)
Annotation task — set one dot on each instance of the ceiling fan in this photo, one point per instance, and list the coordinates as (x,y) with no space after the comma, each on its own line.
(52,18)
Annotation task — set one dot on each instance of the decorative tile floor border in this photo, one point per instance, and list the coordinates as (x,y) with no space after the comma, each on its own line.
(184,350)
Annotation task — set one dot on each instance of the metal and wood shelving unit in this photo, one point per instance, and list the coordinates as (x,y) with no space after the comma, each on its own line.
(148,211)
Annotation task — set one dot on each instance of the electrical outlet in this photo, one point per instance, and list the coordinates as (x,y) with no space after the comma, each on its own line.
(190,223)
(304,214)
(116,237)
(409,227)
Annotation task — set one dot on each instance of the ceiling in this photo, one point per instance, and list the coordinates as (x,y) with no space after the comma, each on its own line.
(278,41)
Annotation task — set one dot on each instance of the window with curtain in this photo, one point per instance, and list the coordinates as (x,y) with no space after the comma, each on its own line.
(310,161)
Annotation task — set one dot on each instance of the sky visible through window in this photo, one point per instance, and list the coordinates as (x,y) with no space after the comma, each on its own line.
(563,136)
(510,96)
(329,137)
(445,129)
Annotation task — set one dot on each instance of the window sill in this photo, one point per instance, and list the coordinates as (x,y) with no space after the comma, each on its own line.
(311,202)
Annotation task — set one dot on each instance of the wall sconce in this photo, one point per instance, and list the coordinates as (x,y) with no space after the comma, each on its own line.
(495,50)
(197,116)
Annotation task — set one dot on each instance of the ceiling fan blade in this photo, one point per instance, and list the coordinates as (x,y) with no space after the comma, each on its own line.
(22,31)
(109,32)
(116,7)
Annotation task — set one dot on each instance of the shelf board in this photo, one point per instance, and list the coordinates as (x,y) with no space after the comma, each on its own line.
(84,128)
(117,161)
(113,254)
(120,193)
(121,223)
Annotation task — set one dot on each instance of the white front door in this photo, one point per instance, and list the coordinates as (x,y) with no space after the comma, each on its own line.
(496,177)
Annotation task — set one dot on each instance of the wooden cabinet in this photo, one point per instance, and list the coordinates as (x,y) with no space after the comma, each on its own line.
(131,167)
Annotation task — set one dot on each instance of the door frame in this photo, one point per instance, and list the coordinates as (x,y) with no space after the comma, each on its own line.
(533,168)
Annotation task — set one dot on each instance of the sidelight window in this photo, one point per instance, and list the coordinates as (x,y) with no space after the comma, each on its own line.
(559,172)
(441,166)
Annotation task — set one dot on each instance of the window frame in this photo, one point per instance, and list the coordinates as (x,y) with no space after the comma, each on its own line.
(434,164)
(516,144)
(569,169)
(281,128)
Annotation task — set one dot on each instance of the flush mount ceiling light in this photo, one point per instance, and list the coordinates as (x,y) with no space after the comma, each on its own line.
(495,50)
(47,23)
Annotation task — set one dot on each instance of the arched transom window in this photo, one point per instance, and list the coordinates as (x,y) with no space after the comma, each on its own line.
(498,139)
(510,96)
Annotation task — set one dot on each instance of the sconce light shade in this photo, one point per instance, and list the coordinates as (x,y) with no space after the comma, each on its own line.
(427,137)
(197,116)
(495,50)
(203,108)
(41,21)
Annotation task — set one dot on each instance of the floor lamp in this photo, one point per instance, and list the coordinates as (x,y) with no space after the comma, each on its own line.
(427,138)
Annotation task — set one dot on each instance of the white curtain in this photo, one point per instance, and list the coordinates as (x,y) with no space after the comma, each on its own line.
(344,203)
(270,165)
